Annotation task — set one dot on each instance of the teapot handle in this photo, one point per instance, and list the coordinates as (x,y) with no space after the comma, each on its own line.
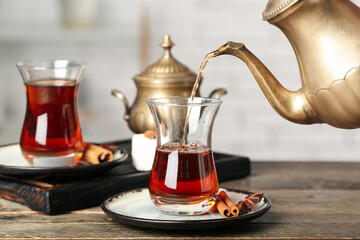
(119,95)
(218,93)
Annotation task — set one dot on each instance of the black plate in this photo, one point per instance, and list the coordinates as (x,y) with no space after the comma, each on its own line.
(12,163)
(135,208)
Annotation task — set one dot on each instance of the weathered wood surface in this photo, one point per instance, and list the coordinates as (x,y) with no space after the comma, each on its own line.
(310,200)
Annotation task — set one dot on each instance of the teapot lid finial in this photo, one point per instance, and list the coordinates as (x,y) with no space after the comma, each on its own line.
(167,68)
(276,7)
(167,44)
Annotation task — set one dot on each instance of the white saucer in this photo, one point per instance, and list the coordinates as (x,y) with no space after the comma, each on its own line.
(135,208)
(12,162)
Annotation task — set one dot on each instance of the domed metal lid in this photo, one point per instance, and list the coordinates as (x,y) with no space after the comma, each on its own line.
(276,7)
(167,68)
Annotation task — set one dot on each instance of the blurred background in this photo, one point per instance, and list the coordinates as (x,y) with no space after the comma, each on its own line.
(118,39)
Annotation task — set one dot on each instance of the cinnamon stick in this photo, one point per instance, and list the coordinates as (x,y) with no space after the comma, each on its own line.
(95,154)
(112,147)
(226,207)
(233,208)
(223,209)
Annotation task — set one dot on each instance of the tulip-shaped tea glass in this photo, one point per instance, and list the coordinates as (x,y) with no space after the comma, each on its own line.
(51,134)
(183,180)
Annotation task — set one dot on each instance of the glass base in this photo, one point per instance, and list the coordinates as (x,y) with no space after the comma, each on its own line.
(53,161)
(176,206)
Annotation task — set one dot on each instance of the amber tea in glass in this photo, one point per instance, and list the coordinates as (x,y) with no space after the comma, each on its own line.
(183,180)
(51,134)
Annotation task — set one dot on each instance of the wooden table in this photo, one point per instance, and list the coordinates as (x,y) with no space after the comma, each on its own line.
(310,200)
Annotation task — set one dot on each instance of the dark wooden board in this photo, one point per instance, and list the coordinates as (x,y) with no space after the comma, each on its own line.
(53,195)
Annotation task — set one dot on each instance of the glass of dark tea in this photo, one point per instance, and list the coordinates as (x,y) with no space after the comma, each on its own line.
(183,180)
(51,134)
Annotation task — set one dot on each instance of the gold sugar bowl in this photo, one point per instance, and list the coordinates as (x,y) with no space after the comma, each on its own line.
(166,77)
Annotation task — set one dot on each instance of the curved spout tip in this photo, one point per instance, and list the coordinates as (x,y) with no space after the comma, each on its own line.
(218,93)
(228,48)
(235,45)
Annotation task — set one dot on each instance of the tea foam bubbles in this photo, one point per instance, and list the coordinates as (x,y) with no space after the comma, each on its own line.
(196,143)
(193,146)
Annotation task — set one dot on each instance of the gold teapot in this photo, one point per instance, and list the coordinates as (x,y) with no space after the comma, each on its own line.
(166,77)
(325,35)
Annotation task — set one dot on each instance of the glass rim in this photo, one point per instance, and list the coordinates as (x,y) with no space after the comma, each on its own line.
(161,101)
(40,64)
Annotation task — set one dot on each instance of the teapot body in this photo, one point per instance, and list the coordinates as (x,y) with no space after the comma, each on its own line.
(140,118)
(166,77)
(325,37)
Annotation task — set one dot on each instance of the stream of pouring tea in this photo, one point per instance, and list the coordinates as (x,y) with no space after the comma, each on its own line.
(207,58)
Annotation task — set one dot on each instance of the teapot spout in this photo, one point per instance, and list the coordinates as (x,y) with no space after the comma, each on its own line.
(292,106)
(218,93)
(119,95)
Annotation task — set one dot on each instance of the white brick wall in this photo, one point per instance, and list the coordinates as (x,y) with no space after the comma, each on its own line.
(246,123)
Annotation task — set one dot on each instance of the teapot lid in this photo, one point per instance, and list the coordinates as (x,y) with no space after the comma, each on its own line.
(167,68)
(276,7)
